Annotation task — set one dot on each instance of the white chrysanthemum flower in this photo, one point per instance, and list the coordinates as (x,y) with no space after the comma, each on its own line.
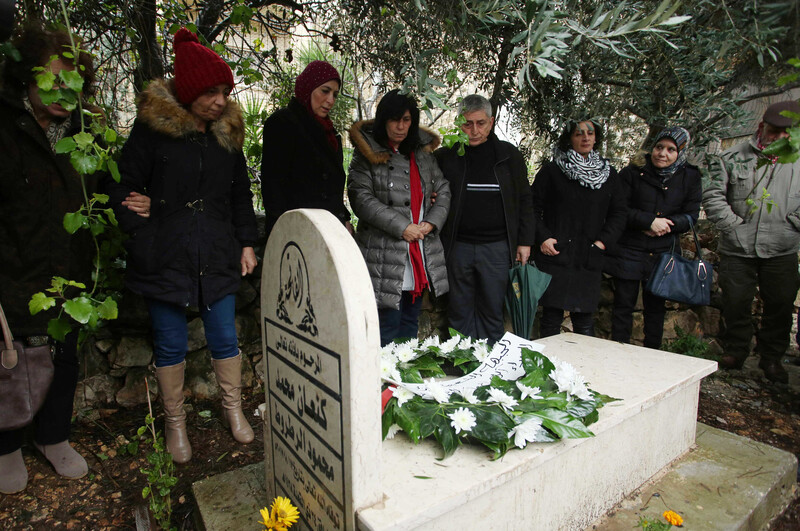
(432,341)
(387,350)
(405,352)
(481,351)
(568,379)
(392,431)
(533,392)
(389,368)
(462,420)
(402,395)
(529,431)
(449,345)
(583,393)
(465,344)
(440,394)
(470,397)
(413,342)
(500,397)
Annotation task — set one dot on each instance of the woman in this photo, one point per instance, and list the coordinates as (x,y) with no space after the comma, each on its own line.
(392,177)
(302,156)
(185,152)
(580,211)
(662,190)
(37,188)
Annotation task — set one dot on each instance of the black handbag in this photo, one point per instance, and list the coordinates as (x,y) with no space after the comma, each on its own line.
(25,377)
(678,279)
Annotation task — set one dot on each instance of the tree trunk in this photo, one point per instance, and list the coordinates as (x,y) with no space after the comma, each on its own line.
(150,65)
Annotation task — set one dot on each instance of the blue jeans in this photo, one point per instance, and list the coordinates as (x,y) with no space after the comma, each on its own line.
(171,332)
(402,323)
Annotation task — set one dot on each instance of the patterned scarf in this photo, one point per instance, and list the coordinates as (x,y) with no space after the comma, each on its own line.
(56,130)
(681,137)
(591,172)
(414,251)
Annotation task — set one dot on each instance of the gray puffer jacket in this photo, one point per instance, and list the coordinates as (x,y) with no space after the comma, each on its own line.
(380,195)
(768,227)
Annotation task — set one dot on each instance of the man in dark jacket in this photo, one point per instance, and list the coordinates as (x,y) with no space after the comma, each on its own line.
(490,224)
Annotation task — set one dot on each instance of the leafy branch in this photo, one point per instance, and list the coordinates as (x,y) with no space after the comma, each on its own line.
(90,151)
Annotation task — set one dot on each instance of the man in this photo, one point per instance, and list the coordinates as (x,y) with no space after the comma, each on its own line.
(490,224)
(757,211)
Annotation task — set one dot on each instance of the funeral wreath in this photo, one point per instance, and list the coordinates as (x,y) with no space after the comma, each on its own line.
(509,394)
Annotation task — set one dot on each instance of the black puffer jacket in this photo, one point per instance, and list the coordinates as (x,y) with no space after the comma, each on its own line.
(37,187)
(299,168)
(648,197)
(576,216)
(512,176)
(201,204)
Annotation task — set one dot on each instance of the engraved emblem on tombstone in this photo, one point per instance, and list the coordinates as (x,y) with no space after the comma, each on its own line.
(294,297)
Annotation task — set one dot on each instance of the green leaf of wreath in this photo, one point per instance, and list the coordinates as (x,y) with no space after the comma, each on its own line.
(603,399)
(581,408)
(447,437)
(492,424)
(411,375)
(563,424)
(535,361)
(427,414)
(591,418)
(387,419)
(408,422)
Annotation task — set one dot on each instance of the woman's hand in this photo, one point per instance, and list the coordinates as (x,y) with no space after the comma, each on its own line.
(660,227)
(426,227)
(138,203)
(413,233)
(600,245)
(248,260)
(548,247)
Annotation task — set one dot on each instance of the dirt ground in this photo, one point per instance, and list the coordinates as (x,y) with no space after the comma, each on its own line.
(739,401)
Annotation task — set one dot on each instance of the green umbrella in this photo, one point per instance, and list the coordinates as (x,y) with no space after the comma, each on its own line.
(526,285)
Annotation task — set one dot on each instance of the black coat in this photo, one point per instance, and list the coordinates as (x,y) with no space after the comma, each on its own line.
(201,204)
(648,197)
(576,216)
(512,176)
(37,187)
(299,168)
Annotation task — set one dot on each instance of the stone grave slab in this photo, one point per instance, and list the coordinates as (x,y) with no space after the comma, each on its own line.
(565,485)
(724,482)
(322,439)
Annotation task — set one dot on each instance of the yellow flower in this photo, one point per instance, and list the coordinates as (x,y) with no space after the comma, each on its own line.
(270,524)
(283,512)
(673,518)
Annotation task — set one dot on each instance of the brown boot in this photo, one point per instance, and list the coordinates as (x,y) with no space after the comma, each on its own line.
(170,387)
(229,377)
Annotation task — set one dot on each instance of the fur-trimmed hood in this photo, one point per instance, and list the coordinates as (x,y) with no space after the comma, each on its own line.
(159,108)
(364,142)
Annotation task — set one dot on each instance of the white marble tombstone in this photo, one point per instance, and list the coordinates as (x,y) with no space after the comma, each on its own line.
(322,436)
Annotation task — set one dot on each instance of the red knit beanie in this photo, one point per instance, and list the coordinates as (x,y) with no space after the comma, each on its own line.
(196,67)
(315,74)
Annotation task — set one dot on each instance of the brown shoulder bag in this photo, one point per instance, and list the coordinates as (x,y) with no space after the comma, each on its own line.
(25,377)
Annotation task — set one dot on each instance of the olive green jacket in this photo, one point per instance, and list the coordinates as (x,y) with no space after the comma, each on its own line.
(756,209)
